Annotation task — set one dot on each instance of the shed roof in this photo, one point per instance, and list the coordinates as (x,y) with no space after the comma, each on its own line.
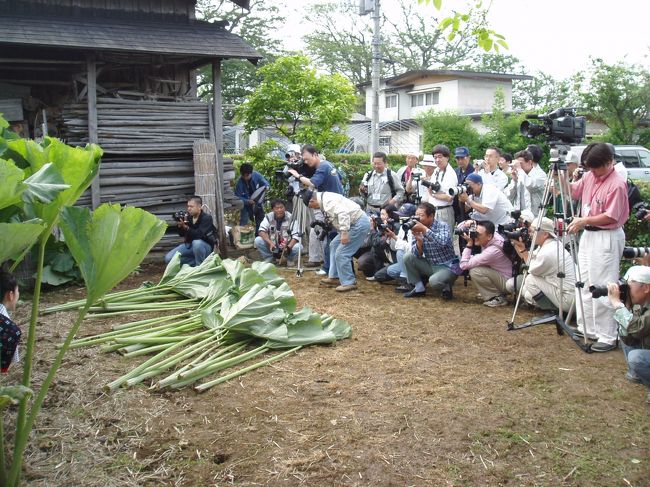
(191,37)
(410,77)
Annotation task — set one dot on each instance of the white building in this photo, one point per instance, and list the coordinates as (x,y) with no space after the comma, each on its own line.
(402,98)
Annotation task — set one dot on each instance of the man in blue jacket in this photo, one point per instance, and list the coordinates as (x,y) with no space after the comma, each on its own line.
(251,188)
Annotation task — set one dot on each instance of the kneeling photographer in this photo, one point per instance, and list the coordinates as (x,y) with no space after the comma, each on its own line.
(633,318)
(541,287)
(400,243)
(279,236)
(380,253)
(432,255)
(199,233)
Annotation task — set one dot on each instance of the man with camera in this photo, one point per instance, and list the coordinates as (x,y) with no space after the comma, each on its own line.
(542,285)
(486,203)
(491,268)
(490,172)
(603,195)
(400,243)
(432,255)
(409,168)
(199,232)
(279,238)
(444,177)
(416,186)
(380,185)
(352,224)
(633,318)
(251,188)
(526,190)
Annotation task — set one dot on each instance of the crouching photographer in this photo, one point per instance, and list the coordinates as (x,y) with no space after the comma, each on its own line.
(199,232)
(400,243)
(279,236)
(633,318)
(541,287)
(379,254)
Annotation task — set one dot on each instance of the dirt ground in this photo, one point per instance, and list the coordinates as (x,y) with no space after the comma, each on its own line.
(426,393)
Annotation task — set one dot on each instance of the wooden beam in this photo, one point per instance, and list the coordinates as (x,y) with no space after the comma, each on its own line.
(218,142)
(93,138)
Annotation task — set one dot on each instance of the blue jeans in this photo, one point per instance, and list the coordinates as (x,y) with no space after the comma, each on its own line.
(192,254)
(326,251)
(638,363)
(341,254)
(251,212)
(396,270)
(265,252)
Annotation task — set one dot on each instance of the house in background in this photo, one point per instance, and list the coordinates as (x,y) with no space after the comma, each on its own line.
(402,98)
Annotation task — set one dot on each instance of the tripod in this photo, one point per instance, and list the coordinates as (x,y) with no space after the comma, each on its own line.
(300,217)
(563,212)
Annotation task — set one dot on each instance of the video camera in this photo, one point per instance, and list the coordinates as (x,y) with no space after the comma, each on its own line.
(635,252)
(181,216)
(560,125)
(600,291)
(461,188)
(282,173)
(640,210)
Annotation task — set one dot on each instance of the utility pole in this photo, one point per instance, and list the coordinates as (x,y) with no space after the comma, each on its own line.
(376,73)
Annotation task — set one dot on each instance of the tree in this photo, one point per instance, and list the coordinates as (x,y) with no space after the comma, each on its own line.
(304,107)
(447,128)
(619,95)
(255,26)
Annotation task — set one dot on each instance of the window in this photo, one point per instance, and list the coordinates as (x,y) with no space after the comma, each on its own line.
(391,101)
(384,141)
(630,158)
(645,158)
(425,99)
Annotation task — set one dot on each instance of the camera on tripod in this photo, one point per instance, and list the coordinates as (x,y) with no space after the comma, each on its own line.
(560,125)
(460,189)
(282,173)
(181,216)
(600,291)
(434,185)
(640,210)
(635,252)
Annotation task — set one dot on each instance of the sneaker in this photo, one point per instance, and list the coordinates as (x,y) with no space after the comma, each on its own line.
(329,282)
(321,272)
(496,302)
(345,287)
(313,264)
(632,378)
(602,347)
(404,288)
(371,278)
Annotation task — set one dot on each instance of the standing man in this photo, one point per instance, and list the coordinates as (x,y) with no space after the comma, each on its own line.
(526,190)
(486,202)
(353,226)
(445,176)
(251,188)
(199,233)
(380,185)
(405,175)
(491,173)
(463,170)
(432,255)
(418,190)
(605,210)
(278,237)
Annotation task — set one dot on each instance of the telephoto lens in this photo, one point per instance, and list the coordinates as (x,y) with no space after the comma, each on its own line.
(435,186)
(635,252)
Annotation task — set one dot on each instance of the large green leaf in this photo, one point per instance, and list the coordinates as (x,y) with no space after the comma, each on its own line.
(53,277)
(45,184)
(16,237)
(27,154)
(109,243)
(303,328)
(12,186)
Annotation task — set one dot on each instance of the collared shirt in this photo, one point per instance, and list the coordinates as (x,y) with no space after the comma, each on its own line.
(491,255)
(342,212)
(326,178)
(462,175)
(279,229)
(245,189)
(438,247)
(497,177)
(379,191)
(544,263)
(499,207)
(634,326)
(447,179)
(527,192)
(604,195)
(11,338)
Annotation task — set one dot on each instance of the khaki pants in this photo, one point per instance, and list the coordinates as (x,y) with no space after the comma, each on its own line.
(535,285)
(488,282)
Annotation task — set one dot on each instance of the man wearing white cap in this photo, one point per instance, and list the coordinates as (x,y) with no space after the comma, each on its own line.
(428,166)
(634,323)
(542,280)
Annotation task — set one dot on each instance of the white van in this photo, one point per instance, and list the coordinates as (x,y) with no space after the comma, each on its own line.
(635,158)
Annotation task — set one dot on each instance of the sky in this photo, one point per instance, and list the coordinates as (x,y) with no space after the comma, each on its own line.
(555,37)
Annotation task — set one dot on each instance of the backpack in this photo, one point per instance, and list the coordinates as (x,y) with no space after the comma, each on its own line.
(633,194)
(389,175)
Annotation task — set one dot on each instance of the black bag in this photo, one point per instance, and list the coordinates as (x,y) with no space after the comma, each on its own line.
(633,194)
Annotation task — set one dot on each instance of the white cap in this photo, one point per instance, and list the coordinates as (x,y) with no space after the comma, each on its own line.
(638,273)
(428,160)
(293,148)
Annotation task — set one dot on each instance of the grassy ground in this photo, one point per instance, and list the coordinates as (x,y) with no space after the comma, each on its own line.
(426,393)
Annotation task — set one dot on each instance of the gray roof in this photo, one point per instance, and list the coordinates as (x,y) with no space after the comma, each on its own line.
(190,37)
(409,77)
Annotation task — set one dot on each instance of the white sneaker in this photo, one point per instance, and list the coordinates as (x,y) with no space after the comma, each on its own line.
(321,272)
(496,301)
(371,278)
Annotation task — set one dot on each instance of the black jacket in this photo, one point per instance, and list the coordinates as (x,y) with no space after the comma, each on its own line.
(203,229)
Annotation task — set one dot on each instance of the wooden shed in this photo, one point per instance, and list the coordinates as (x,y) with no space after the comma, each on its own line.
(122,73)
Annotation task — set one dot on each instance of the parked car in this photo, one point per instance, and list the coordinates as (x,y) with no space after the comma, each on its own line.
(635,158)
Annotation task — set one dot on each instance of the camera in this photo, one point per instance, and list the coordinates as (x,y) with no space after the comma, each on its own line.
(560,125)
(324,228)
(635,252)
(409,223)
(521,233)
(415,177)
(282,172)
(640,210)
(471,231)
(181,216)
(600,291)
(462,188)
(435,186)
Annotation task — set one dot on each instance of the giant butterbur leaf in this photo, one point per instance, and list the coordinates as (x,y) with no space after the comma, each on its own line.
(12,186)
(16,237)
(109,243)
(45,184)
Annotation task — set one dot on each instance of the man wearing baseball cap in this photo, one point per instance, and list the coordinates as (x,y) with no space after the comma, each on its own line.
(487,201)
(633,320)
(541,287)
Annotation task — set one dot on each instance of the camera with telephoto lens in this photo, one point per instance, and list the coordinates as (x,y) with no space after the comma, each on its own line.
(640,210)
(560,125)
(409,223)
(435,186)
(470,231)
(635,252)
(600,291)
(323,228)
(460,189)
(181,216)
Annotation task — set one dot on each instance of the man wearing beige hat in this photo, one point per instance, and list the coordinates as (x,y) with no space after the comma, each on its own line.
(541,287)
(428,165)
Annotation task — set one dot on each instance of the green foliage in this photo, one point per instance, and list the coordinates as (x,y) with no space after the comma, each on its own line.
(356,165)
(637,233)
(300,104)
(265,161)
(59,265)
(503,131)
(449,129)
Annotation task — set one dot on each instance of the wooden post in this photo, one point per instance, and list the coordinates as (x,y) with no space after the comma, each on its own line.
(95,188)
(217,133)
